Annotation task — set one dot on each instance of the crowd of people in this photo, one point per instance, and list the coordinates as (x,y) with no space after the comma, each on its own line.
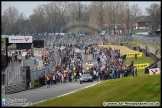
(11,57)
(110,65)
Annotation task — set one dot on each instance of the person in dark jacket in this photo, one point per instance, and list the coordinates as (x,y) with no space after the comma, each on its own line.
(98,60)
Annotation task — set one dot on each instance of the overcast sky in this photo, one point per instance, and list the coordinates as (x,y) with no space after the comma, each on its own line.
(27,7)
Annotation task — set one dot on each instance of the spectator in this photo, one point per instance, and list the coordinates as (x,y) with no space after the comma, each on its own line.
(132,70)
(28,84)
(135,71)
(54,78)
(135,56)
(98,60)
(35,62)
(65,77)
(94,74)
(48,81)
(75,75)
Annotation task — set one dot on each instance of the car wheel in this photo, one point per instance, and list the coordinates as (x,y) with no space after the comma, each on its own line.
(92,81)
(81,82)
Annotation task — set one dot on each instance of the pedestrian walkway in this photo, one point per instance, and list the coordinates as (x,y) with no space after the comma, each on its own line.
(87,58)
(15,64)
(30,62)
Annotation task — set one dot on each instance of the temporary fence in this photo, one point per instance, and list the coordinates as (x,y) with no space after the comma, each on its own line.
(15,79)
(15,75)
(36,73)
(136,38)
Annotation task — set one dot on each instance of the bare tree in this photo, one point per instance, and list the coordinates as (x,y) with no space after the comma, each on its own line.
(10,16)
(53,12)
(37,19)
(71,20)
(127,19)
(79,12)
(64,14)
(97,12)
(20,24)
(154,12)
(111,14)
(135,12)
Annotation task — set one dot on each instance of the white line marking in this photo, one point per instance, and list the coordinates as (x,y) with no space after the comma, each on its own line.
(66,93)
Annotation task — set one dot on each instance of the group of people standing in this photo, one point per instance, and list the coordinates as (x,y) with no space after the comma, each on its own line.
(110,66)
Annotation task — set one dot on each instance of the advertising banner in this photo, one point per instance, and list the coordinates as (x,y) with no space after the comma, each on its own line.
(139,54)
(20,39)
(141,66)
(154,71)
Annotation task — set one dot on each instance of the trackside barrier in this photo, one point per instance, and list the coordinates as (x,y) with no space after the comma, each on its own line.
(35,84)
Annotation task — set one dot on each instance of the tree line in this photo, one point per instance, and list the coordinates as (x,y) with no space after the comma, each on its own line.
(55,16)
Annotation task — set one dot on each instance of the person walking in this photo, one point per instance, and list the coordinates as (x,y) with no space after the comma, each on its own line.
(65,77)
(54,78)
(48,81)
(94,74)
(28,84)
(98,59)
(35,62)
(135,71)
(75,76)
(97,76)
(135,56)
(132,70)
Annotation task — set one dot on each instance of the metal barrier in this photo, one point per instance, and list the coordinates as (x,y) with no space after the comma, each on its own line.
(15,80)
(36,73)
(136,38)
(14,75)
(147,39)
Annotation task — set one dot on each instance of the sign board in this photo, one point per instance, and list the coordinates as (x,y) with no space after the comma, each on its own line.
(139,54)
(141,66)
(154,71)
(20,39)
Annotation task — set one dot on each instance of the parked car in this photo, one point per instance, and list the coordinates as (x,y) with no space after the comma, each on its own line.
(86,77)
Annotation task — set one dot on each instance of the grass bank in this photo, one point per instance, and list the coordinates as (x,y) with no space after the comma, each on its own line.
(132,89)
(137,44)
(142,88)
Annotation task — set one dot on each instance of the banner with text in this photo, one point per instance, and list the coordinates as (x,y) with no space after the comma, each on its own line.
(20,39)
(139,54)
(141,66)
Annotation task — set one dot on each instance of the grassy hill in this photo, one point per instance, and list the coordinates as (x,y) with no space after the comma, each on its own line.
(137,44)
(143,88)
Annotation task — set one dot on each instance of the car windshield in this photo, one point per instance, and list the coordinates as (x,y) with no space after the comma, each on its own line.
(86,75)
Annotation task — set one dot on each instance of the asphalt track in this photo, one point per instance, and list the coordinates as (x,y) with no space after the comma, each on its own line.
(44,93)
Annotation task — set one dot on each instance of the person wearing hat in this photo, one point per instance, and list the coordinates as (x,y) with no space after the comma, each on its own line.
(65,77)
(75,75)
(86,64)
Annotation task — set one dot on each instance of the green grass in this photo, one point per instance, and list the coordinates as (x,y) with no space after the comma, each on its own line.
(133,89)
(142,88)
(137,44)
(140,60)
